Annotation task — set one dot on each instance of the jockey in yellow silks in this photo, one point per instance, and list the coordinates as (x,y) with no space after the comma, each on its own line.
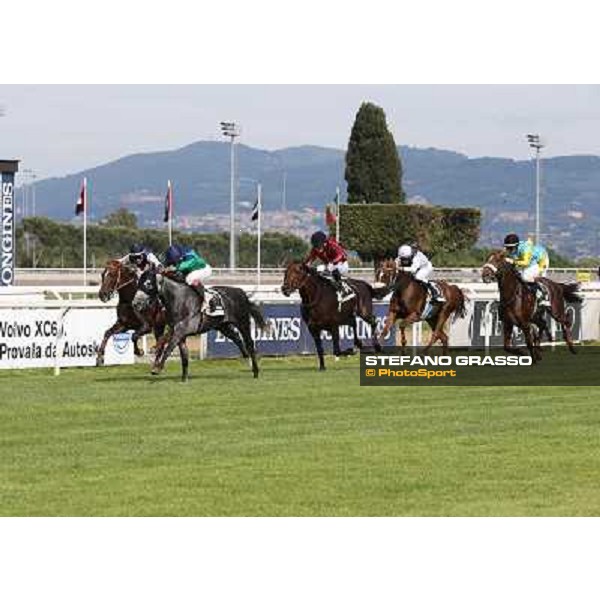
(531,259)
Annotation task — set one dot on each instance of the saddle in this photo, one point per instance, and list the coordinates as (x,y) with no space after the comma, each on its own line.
(213,303)
(343,289)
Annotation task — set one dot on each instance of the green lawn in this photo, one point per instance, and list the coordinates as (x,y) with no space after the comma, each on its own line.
(115,441)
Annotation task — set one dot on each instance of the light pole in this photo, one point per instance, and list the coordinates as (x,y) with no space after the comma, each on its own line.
(534,142)
(230,130)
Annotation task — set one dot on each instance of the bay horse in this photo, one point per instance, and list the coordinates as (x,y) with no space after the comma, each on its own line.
(321,311)
(185,317)
(408,301)
(122,279)
(519,307)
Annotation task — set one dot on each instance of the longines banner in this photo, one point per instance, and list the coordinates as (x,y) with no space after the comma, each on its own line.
(7,215)
(288,334)
(30,338)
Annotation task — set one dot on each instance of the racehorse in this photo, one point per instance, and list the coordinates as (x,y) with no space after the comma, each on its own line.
(122,279)
(518,305)
(408,301)
(320,309)
(185,318)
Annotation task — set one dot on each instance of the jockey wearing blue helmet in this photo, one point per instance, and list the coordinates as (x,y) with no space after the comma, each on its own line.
(141,257)
(189,265)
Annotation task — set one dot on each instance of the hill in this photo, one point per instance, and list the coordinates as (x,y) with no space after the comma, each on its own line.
(504,189)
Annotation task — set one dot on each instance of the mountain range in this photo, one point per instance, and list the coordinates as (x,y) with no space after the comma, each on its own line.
(304,177)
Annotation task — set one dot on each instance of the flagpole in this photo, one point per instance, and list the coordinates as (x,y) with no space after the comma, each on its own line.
(85,208)
(259,206)
(337,214)
(170,193)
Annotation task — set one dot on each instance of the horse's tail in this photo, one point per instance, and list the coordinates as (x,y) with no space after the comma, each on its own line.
(256,314)
(571,292)
(460,312)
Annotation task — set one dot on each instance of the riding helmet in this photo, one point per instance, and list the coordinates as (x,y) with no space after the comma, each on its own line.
(511,240)
(137,249)
(317,239)
(173,255)
(405,251)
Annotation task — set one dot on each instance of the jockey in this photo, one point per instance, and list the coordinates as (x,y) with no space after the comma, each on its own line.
(531,260)
(141,257)
(419,266)
(334,258)
(188,265)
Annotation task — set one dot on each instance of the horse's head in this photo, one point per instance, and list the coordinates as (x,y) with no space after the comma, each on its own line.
(148,289)
(114,277)
(294,278)
(495,263)
(386,271)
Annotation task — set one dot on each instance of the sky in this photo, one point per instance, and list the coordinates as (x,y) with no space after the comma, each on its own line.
(60,129)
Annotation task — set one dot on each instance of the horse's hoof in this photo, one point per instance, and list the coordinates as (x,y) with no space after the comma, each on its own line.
(138,352)
(155,371)
(99,362)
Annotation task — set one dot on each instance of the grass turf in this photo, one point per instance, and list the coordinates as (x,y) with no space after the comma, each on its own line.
(296,442)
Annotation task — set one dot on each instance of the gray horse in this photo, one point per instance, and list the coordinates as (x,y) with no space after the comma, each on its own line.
(185,318)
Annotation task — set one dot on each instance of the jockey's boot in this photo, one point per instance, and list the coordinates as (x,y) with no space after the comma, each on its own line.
(541,294)
(534,288)
(344,291)
(434,292)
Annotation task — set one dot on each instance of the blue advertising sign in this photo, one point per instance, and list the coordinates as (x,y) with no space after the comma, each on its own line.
(288,334)
(477,326)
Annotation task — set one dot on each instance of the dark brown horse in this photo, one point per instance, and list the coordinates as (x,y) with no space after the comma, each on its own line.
(408,301)
(519,307)
(121,279)
(321,311)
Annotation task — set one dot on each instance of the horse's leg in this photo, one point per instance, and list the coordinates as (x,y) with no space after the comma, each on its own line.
(542,326)
(230,332)
(507,328)
(161,339)
(529,340)
(438,327)
(371,320)
(244,328)
(437,331)
(558,313)
(403,337)
(565,326)
(357,342)
(315,331)
(118,327)
(335,338)
(178,334)
(184,354)
(389,323)
(140,332)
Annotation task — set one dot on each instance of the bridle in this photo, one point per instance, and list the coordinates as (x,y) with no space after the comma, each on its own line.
(303,279)
(118,284)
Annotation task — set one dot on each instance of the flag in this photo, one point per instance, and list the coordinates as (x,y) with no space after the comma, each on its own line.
(168,203)
(256,210)
(80,206)
(330,217)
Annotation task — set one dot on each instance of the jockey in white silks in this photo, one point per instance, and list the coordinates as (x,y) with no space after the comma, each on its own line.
(416,263)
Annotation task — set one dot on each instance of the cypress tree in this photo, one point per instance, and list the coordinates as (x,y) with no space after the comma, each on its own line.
(373,169)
